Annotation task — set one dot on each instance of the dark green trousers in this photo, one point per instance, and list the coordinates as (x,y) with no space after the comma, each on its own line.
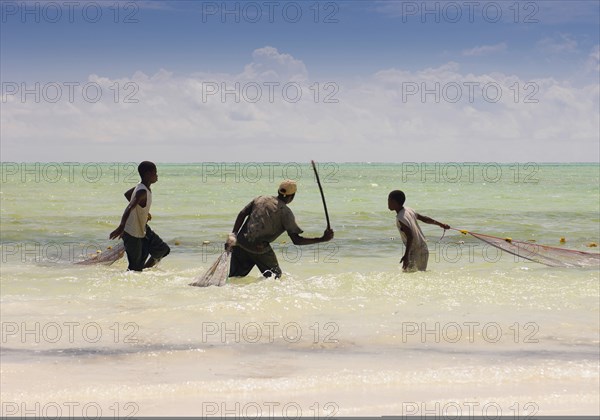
(242,262)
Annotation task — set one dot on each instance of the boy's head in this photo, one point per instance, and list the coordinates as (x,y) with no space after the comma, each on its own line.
(147,171)
(396,200)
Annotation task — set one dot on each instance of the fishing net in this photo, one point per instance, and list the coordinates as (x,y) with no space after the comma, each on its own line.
(543,254)
(109,256)
(217,274)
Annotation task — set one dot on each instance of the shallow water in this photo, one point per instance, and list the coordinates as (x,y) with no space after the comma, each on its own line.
(344,331)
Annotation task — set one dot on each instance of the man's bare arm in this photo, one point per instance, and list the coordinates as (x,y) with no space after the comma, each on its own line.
(431,221)
(409,244)
(299,240)
(128,193)
(140,197)
(239,221)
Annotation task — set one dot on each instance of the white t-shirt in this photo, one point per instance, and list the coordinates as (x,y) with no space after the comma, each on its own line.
(136,222)
(408,217)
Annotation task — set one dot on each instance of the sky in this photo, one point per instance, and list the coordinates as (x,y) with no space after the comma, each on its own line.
(337,81)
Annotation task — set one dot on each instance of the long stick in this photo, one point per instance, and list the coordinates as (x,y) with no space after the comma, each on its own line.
(322,195)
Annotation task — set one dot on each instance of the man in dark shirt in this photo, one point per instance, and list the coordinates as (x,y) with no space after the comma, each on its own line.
(261,222)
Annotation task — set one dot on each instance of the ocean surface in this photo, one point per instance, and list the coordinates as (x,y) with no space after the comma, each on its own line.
(343,332)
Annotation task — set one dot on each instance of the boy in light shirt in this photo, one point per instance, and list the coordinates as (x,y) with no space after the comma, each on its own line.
(139,240)
(416,255)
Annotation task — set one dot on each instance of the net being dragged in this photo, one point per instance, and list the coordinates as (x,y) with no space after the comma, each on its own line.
(543,254)
(217,274)
(108,257)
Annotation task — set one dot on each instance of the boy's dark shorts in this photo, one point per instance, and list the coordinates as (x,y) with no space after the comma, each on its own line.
(138,249)
(243,261)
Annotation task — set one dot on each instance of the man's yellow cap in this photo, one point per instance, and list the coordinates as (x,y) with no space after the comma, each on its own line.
(287,187)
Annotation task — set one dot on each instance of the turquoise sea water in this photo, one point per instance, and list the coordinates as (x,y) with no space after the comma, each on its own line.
(343,326)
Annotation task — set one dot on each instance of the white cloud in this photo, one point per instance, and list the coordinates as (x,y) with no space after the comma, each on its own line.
(562,43)
(269,64)
(485,50)
(392,115)
(593,62)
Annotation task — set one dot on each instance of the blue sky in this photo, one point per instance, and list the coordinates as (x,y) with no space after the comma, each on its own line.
(371,53)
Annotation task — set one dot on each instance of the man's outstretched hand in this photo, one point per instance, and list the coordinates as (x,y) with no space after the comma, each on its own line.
(231,242)
(327,235)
